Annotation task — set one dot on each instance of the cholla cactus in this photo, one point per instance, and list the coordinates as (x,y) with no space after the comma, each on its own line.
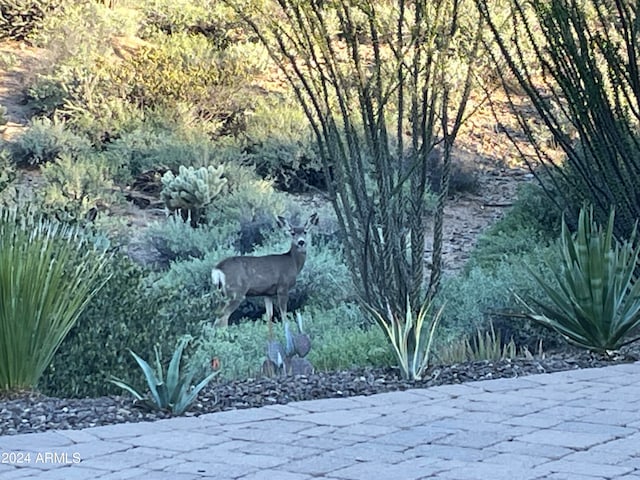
(192,190)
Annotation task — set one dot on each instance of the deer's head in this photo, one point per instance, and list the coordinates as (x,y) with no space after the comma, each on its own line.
(298,234)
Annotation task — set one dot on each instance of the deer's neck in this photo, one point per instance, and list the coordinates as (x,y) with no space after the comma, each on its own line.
(298,258)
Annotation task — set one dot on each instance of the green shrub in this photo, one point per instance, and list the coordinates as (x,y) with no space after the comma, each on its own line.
(158,149)
(532,210)
(176,68)
(487,294)
(126,313)
(594,300)
(343,339)
(48,275)
(279,142)
(7,169)
(75,189)
(213,19)
(44,141)
(339,337)
(239,349)
(246,198)
(176,241)
(18,18)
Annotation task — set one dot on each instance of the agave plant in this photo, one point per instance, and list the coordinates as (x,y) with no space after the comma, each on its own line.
(175,392)
(411,335)
(595,303)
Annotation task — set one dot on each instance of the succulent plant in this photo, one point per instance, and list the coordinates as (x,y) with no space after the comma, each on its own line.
(192,190)
(289,359)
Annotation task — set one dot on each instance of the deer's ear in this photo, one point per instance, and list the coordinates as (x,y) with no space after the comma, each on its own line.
(282,222)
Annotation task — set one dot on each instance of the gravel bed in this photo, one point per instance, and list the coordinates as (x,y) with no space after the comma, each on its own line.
(32,412)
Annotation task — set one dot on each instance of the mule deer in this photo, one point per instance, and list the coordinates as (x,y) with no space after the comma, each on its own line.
(266,276)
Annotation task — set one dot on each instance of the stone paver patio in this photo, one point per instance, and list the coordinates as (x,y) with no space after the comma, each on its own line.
(582,424)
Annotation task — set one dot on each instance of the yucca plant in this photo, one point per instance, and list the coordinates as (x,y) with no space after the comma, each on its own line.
(175,391)
(484,345)
(595,303)
(48,274)
(411,335)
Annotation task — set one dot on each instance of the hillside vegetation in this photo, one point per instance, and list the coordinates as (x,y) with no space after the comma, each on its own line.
(169,134)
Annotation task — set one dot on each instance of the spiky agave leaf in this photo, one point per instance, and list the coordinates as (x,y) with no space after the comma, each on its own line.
(275,353)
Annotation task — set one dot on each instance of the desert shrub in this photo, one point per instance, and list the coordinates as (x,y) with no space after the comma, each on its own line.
(77,77)
(107,120)
(18,18)
(240,349)
(487,294)
(325,279)
(45,140)
(247,197)
(75,189)
(82,28)
(210,18)
(534,210)
(157,149)
(182,69)
(339,340)
(279,142)
(127,313)
(529,224)
(7,169)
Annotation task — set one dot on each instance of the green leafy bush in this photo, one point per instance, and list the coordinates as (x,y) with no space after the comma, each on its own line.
(343,339)
(487,294)
(44,141)
(279,142)
(173,391)
(340,339)
(48,274)
(595,300)
(155,149)
(18,18)
(75,189)
(134,320)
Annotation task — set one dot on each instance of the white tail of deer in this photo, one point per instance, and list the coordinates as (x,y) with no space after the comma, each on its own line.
(269,276)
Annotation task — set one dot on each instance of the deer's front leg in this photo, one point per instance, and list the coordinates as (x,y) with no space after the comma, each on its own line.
(229,308)
(283,299)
